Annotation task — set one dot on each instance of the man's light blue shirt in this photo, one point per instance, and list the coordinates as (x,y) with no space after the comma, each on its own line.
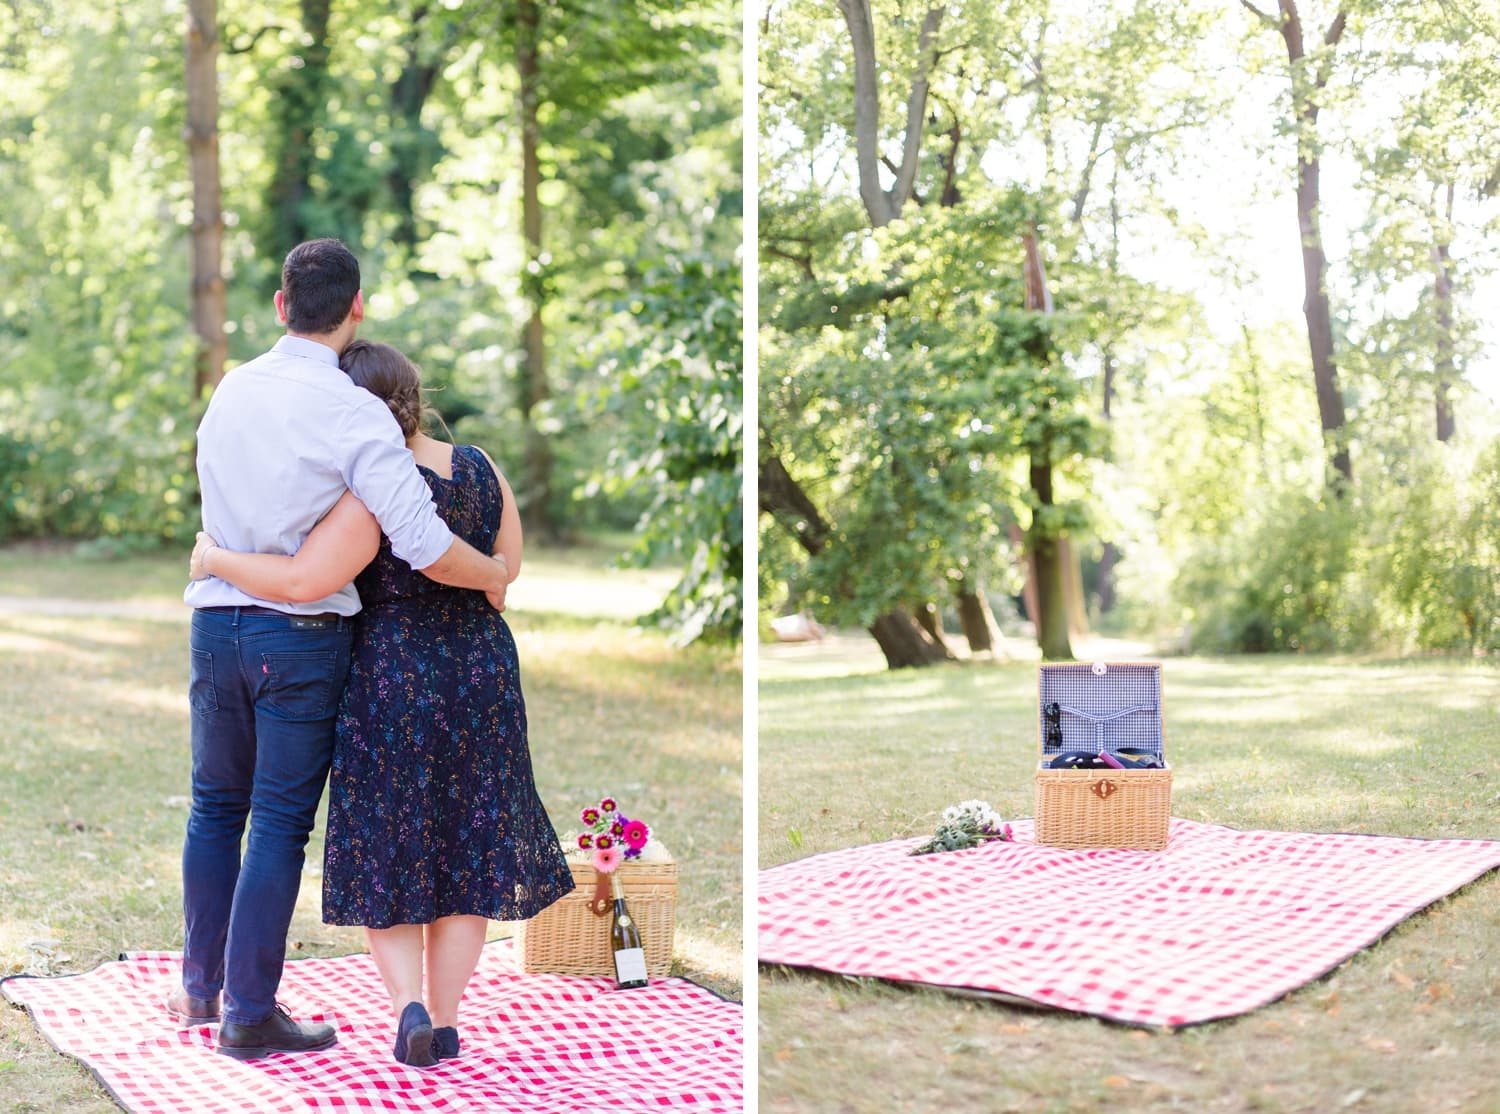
(284,436)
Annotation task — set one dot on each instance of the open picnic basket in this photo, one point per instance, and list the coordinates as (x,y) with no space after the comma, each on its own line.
(1101,706)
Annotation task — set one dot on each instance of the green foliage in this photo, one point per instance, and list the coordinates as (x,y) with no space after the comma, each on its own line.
(1436,544)
(1288,581)
(393,126)
(676,390)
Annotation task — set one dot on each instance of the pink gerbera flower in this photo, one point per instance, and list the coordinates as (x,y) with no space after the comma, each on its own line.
(585,841)
(636,834)
(604,843)
(607,805)
(590,816)
(606,859)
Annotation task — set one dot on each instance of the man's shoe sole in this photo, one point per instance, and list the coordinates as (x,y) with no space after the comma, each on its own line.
(256,1051)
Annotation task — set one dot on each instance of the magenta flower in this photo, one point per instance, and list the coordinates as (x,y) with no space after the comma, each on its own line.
(585,841)
(606,859)
(604,843)
(1008,833)
(590,816)
(607,805)
(617,828)
(636,834)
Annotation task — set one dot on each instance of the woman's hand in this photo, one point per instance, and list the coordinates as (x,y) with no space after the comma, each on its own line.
(196,571)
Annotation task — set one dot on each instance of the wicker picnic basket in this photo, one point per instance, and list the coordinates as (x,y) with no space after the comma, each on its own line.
(567,938)
(1104,705)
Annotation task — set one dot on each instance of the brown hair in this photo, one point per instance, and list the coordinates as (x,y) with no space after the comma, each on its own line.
(390,377)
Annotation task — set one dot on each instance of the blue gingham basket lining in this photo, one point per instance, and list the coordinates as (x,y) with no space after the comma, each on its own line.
(1092,707)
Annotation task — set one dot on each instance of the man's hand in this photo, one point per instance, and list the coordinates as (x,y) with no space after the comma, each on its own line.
(196,571)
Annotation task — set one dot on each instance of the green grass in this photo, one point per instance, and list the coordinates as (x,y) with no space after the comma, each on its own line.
(1324,744)
(94,771)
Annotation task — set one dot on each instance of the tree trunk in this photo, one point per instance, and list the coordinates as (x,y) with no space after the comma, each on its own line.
(1042,543)
(1319,319)
(1442,292)
(1315,306)
(1078,608)
(534,386)
(975,618)
(930,619)
(900,638)
(782,497)
(415,149)
(904,643)
(883,206)
(1029,606)
(300,100)
(1107,559)
(1047,561)
(208,295)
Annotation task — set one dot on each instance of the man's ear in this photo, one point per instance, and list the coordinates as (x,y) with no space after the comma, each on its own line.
(280,300)
(357,310)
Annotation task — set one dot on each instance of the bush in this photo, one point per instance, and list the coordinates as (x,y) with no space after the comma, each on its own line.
(1291,581)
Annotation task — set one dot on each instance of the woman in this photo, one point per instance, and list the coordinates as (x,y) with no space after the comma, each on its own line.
(434,824)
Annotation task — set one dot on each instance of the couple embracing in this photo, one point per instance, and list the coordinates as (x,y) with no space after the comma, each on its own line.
(347,592)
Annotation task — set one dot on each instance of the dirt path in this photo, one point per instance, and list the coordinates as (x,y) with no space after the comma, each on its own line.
(153,610)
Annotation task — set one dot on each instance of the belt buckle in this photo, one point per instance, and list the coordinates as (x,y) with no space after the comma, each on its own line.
(304,622)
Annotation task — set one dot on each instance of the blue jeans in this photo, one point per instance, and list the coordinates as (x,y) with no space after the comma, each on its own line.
(264,694)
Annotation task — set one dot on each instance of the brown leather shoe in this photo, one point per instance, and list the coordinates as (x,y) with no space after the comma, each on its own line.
(192,1011)
(277,1033)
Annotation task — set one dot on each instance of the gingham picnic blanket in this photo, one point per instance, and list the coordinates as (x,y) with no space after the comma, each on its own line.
(1221,922)
(540,1044)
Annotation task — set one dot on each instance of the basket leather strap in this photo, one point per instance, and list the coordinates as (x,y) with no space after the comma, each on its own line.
(603,901)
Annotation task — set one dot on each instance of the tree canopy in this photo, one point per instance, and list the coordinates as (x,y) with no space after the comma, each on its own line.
(1022,334)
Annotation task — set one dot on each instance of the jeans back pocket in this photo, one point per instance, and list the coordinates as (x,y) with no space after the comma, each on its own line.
(303,684)
(202,696)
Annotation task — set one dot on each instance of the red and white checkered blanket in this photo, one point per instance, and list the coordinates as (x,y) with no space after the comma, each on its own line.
(540,1044)
(1221,922)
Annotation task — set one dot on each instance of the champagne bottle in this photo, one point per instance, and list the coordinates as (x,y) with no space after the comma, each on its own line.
(625,937)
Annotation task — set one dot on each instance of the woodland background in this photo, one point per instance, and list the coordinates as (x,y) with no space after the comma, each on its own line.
(544,196)
(1173,319)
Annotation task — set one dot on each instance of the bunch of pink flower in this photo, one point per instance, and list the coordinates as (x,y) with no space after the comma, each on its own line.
(611,835)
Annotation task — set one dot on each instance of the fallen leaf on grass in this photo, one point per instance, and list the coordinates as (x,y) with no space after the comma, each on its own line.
(1381,1045)
(1115,1081)
(1404,981)
(1015,1029)
(1353,1097)
(1439,990)
(783,1054)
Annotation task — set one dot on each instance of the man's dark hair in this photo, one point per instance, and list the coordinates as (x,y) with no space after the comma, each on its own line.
(318,282)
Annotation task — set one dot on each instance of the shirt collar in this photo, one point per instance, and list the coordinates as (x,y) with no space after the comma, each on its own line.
(308,349)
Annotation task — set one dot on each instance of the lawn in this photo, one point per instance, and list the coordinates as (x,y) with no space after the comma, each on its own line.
(93,669)
(1319,744)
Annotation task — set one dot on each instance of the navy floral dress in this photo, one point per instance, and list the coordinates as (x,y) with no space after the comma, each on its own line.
(432,810)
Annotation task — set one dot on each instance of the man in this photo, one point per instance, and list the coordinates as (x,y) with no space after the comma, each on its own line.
(283,437)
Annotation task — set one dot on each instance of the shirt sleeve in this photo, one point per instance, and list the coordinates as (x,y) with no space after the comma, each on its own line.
(379,469)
